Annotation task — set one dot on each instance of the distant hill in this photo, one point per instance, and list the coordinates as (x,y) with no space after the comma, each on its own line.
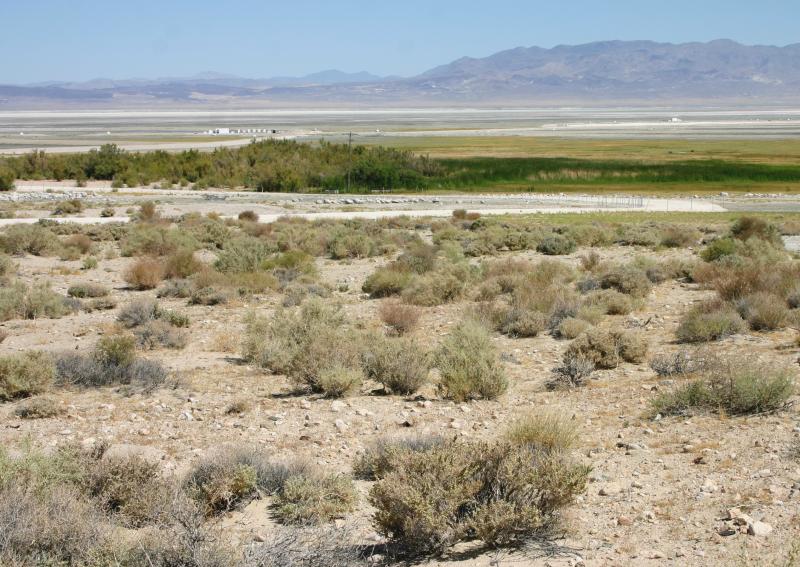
(601,73)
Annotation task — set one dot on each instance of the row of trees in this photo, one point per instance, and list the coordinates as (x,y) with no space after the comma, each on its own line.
(273,165)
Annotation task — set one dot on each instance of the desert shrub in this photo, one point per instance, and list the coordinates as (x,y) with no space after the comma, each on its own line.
(113,361)
(243,254)
(222,481)
(376,460)
(399,364)
(7,178)
(387,281)
(679,236)
(674,364)
(7,267)
(571,327)
(399,317)
(468,364)
(734,385)
(638,235)
(763,311)
(520,322)
(499,494)
(145,273)
(718,248)
(154,240)
(208,296)
(160,334)
(337,381)
(309,546)
(303,343)
(626,279)
(128,488)
(147,212)
(543,431)
(181,288)
(181,264)
(41,301)
(38,407)
(556,245)
(439,286)
(100,304)
(89,263)
(80,242)
(138,313)
(745,228)
(575,369)
(107,212)
(610,301)
(311,499)
(709,321)
(607,348)
(25,374)
(55,527)
(84,290)
(248,216)
(68,207)
(175,318)
(33,239)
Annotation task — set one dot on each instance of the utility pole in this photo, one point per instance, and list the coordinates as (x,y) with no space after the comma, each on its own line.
(349,158)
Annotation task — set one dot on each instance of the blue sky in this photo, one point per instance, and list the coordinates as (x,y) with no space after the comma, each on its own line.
(84,39)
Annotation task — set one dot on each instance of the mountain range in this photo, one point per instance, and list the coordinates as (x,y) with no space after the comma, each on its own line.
(600,72)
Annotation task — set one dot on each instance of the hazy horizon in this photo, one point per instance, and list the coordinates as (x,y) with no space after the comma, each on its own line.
(51,41)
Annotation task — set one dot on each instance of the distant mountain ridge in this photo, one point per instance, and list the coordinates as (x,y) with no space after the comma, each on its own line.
(602,72)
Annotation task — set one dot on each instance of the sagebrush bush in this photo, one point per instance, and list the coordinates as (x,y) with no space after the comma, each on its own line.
(442,285)
(25,374)
(468,364)
(181,264)
(709,321)
(145,273)
(248,216)
(499,494)
(160,334)
(18,301)
(39,407)
(627,279)
(556,245)
(763,311)
(399,317)
(674,364)
(575,369)
(610,301)
(572,327)
(138,313)
(337,381)
(84,290)
(400,365)
(33,239)
(68,207)
(312,499)
(223,480)
(607,348)
(733,385)
(376,460)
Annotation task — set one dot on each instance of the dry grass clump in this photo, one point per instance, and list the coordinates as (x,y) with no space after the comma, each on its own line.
(607,348)
(731,385)
(399,317)
(84,290)
(39,407)
(709,321)
(572,327)
(468,364)
(399,364)
(25,374)
(548,432)
(145,273)
(499,494)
